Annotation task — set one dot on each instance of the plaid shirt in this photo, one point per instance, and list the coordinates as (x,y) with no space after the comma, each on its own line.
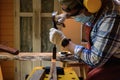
(105,37)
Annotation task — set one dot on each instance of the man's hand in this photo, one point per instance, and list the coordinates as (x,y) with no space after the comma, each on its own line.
(56,36)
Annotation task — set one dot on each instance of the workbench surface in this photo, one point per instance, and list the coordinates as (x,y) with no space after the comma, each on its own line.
(32,56)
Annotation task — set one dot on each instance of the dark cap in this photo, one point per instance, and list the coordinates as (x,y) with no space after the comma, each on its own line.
(71,3)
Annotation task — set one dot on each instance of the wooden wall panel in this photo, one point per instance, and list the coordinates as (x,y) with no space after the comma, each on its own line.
(7,70)
(6,22)
(7,35)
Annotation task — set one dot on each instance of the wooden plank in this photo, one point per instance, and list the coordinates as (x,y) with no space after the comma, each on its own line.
(53,70)
(8,49)
(33,56)
(38,75)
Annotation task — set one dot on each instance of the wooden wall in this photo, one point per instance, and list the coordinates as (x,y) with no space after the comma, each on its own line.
(6,35)
(6,22)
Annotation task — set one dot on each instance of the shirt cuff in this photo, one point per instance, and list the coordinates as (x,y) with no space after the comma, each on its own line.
(77,51)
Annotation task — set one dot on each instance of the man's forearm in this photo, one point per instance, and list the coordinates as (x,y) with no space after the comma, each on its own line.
(70,47)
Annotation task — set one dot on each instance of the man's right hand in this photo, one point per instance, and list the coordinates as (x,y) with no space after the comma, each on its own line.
(56,36)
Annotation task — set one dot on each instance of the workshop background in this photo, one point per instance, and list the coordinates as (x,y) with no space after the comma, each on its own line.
(24,25)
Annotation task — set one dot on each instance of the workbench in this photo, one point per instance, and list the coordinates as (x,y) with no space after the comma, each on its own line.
(36,56)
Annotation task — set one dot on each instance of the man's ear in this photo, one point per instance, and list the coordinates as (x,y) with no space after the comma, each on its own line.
(92,6)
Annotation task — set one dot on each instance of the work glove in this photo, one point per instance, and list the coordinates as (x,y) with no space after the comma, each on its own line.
(61,18)
(56,36)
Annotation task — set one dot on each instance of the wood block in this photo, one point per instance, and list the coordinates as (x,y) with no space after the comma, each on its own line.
(37,75)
